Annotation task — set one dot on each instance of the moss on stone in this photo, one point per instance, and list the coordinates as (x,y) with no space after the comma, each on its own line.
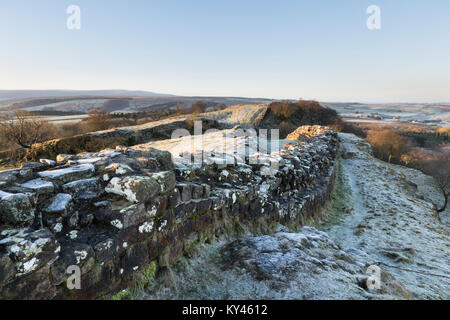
(140,281)
(150,271)
(122,295)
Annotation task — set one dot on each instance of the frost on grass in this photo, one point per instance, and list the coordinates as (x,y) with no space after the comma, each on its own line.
(375,217)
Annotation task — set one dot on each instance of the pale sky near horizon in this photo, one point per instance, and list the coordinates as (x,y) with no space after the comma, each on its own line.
(274,49)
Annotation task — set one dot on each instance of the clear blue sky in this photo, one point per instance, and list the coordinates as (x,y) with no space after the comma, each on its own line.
(278,49)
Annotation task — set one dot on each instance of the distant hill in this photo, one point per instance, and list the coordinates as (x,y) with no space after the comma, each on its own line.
(23,94)
(107,100)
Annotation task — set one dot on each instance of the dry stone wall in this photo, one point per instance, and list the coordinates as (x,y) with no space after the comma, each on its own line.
(125,136)
(113,212)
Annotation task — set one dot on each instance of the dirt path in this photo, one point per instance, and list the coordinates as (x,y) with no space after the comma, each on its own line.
(386,211)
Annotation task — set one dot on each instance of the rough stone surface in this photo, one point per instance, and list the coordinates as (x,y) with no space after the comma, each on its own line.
(86,189)
(69,174)
(16,209)
(59,204)
(9,176)
(74,254)
(34,166)
(134,188)
(166,180)
(28,249)
(48,162)
(39,186)
(7,269)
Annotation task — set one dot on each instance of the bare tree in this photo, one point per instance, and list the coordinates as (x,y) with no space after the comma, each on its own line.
(24,130)
(439,169)
(97,120)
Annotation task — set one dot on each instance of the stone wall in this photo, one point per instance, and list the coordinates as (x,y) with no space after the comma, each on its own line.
(113,212)
(125,136)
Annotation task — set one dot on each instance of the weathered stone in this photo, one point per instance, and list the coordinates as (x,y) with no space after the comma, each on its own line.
(206,190)
(60,204)
(25,174)
(28,249)
(7,269)
(164,158)
(185,191)
(105,250)
(69,174)
(95,161)
(121,148)
(73,220)
(118,168)
(102,204)
(86,189)
(86,219)
(17,189)
(203,206)
(190,209)
(148,163)
(33,286)
(39,186)
(16,209)
(102,279)
(218,202)
(134,258)
(202,222)
(65,157)
(246,172)
(55,224)
(134,188)
(34,166)
(125,218)
(165,222)
(126,238)
(134,215)
(197,191)
(9,176)
(179,213)
(146,227)
(174,198)
(48,162)
(225,175)
(72,254)
(156,206)
(166,180)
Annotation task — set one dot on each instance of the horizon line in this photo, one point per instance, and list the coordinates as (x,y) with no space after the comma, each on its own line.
(156,94)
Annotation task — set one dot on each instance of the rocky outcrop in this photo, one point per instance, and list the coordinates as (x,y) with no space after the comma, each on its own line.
(113,212)
(306,132)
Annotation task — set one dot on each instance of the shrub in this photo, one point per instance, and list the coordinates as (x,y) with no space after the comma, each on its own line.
(198,107)
(303,112)
(388,145)
(290,115)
